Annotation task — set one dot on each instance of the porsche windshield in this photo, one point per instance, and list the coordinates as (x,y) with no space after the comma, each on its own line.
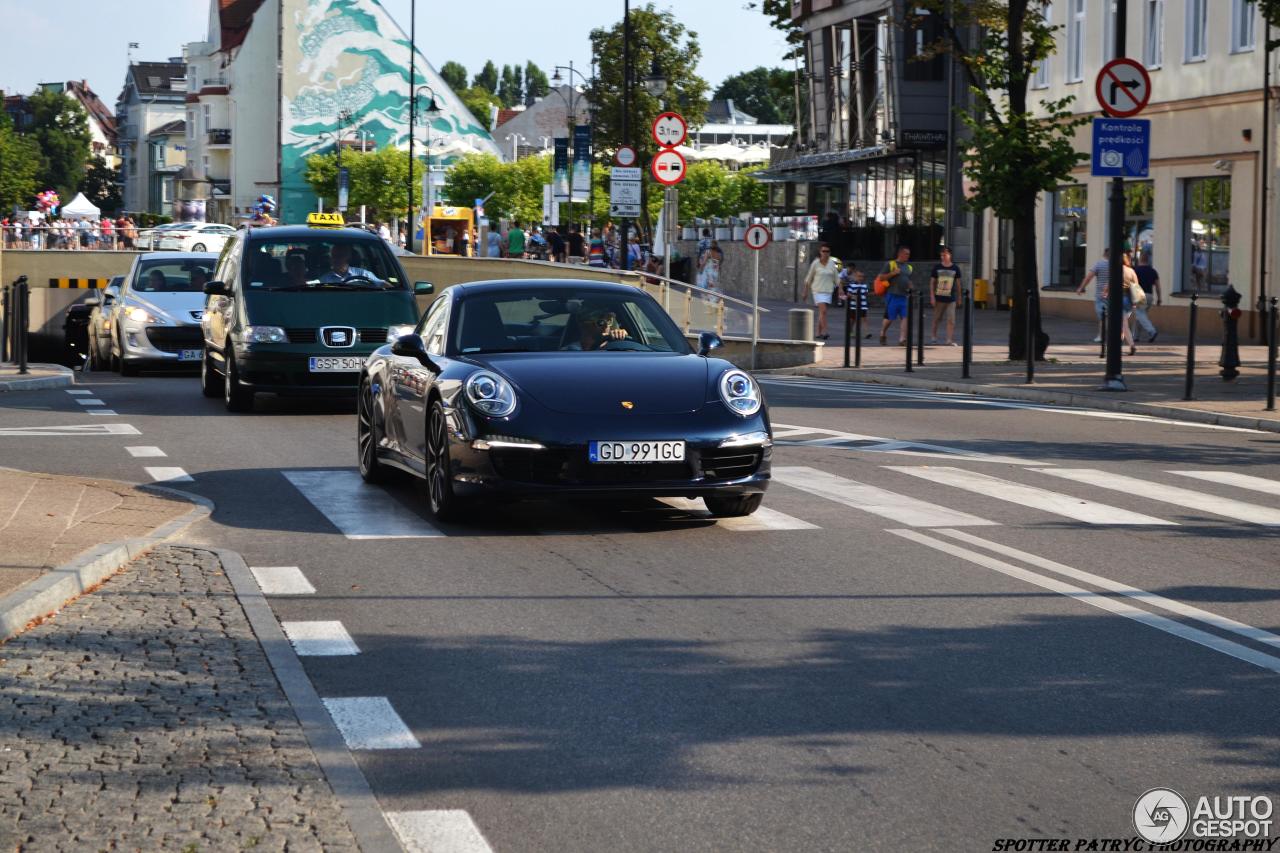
(321,262)
(565,320)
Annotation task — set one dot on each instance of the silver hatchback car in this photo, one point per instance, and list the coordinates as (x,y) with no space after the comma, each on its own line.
(156,318)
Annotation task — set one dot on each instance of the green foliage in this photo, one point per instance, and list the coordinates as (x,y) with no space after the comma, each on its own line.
(779,14)
(536,83)
(516,187)
(487,79)
(766,93)
(60,129)
(101,186)
(378,179)
(455,74)
(509,87)
(478,100)
(655,35)
(21,168)
(709,190)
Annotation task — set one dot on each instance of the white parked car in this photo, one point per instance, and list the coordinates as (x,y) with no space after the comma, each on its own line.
(193,237)
(149,238)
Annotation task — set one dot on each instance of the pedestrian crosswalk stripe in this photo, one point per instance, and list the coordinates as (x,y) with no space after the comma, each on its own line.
(1100,601)
(369,722)
(102,411)
(319,639)
(144,451)
(1209,618)
(762,519)
(438,831)
(358,510)
(168,475)
(1231,478)
(1043,499)
(900,508)
(79,393)
(89,401)
(1227,507)
(282,580)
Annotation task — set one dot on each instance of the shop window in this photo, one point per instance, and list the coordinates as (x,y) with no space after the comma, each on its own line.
(1139,217)
(1206,234)
(1070,238)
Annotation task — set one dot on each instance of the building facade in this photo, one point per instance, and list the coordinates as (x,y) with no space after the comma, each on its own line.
(152,96)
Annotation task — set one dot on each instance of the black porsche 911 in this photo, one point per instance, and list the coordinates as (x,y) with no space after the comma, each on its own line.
(544,388)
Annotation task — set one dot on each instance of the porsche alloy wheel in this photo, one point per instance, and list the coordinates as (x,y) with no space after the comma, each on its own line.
(444,504)
(371,469)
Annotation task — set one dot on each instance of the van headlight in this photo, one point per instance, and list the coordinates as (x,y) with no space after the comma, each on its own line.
(265,335)
(740,392)
(490,394)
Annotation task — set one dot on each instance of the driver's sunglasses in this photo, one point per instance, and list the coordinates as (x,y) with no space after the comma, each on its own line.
(824,251)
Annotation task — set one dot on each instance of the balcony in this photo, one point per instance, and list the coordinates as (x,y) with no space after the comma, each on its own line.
(221,188)
(219,138)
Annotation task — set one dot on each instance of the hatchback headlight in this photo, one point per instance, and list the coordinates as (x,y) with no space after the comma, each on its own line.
(142,315)
(491,394)
(740,393)
(394,332)
(265,335)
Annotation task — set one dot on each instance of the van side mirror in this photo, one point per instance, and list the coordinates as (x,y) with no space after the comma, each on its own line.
(423,288)
(707,341)
(215,288)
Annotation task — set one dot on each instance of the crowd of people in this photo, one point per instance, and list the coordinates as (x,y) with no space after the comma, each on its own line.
(569,244)
(105,233)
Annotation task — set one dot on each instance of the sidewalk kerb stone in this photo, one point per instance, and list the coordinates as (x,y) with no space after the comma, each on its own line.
(63,378)
(345,777)
(1035,395)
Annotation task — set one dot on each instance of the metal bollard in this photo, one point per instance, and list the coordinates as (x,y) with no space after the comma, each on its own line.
(1271,354)
(857,331)
(800,324)
(920,328)
(911,301)
(848,303)
(22,320)
(1230,313)
(966,353)
(1102,324)
(4,323)
(1031,337)
(1191,349)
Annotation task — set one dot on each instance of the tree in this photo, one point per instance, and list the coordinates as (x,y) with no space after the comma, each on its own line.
(101,185)
(60,129)
(516,186)
(487,79)
(779,14)
(1015,156)
(478,100)
(536,84)
(19,167)
(377,179)
(455,74)
(766,93)
(508,88)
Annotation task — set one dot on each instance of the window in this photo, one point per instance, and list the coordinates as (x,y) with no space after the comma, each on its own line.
(1108,30)
(1041,78)
(922,32)
(1243,15)
(1069,243)
(1206,234)
(207,123)
(1153,33)
(1075,41)
(1139,217)
(1196,46)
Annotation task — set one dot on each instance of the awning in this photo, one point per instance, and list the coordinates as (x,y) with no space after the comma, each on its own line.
(825,165)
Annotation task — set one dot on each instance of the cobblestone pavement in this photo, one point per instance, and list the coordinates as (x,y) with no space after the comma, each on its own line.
(145,716)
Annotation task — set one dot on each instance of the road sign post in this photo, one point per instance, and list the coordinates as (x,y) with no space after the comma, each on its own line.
(756,238)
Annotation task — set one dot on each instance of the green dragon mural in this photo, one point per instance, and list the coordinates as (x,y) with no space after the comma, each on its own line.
(349,55)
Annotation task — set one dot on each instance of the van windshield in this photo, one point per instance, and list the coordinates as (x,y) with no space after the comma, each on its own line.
(320,262)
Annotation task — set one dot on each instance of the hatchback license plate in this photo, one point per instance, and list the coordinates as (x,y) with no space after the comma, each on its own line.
(190,355)
(636,451)
(335,363)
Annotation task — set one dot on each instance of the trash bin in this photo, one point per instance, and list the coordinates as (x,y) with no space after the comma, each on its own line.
(800,324)
(981,292)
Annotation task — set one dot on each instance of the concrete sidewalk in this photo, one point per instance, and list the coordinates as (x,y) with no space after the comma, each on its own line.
(39,376)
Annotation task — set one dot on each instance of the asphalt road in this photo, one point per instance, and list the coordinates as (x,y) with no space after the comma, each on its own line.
(962,620)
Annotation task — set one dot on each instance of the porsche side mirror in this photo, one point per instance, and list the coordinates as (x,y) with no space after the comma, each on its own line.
(215,288)
(411,346)
(423,288)
(707,341)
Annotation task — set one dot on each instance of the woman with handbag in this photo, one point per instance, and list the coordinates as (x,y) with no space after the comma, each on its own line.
(820,281)
(1133,293)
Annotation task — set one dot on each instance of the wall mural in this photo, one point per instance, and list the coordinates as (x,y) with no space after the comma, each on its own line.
(350,55)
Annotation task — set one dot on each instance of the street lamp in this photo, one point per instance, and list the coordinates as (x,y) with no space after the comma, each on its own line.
(572,104)
(432,108)
(515,139)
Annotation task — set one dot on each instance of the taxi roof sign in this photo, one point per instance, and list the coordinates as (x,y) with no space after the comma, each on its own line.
(325,220)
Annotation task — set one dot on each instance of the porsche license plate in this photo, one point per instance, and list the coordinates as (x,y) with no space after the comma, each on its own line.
(335,363)
(190,355)
(636,451)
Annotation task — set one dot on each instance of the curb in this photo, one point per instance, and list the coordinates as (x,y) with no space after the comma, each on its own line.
(63,379)
(50,592)
(1036,395)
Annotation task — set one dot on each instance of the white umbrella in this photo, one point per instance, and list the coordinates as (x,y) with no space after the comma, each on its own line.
(758,153)
(689,153)
(724,151)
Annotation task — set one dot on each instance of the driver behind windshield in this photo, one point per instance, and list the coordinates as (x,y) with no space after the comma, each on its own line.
(596,327)
(340,268)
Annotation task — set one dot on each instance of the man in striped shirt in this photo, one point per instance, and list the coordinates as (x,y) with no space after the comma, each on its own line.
(854,283)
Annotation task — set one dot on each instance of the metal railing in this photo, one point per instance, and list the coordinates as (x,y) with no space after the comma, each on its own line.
(66,238)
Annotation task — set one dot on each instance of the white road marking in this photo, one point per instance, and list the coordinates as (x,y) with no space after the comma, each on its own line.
(438,831)
(369,722)
(319,639)
(1232,509)
(358,510)
(102,411)
(76,430)
(1102,602)
(762,519)
(79,393)
(89,401)
(1209,618)
(168,475)
(282,580)
(1230,478)
(832,437)
(145,451)
(1043,499)
(900,508)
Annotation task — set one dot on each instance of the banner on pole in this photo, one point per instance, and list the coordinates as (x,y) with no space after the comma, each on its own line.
(581,185)
(560,170)
(344,188)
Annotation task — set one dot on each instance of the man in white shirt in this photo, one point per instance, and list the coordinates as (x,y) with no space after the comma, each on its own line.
(340,268)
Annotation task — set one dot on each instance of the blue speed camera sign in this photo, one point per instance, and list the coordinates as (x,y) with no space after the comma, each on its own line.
(1121,147)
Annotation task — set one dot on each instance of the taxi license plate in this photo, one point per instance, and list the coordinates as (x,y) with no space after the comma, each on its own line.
(636,451)
(190,355)
(335,363)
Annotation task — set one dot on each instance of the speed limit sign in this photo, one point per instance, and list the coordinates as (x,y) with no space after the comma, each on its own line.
(757,237)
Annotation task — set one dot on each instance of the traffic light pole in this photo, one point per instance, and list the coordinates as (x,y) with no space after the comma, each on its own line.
(1115,293)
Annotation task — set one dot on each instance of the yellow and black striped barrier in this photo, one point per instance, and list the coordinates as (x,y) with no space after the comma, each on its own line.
(79,283)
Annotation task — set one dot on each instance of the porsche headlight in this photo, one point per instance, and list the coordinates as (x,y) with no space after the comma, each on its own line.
(740,393)
(264,335)
(490,394)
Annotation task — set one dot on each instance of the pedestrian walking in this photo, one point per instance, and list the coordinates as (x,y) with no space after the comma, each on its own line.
(595,256)
(515,241)
(893,281)
(854,283)
(1131,290)
(577,245)
(944,283)
(820,283)
(1100,274)
(1149,280)
(555,241)
(493,243)
(709,268)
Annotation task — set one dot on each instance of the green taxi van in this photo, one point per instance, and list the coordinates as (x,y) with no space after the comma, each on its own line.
(296,309)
